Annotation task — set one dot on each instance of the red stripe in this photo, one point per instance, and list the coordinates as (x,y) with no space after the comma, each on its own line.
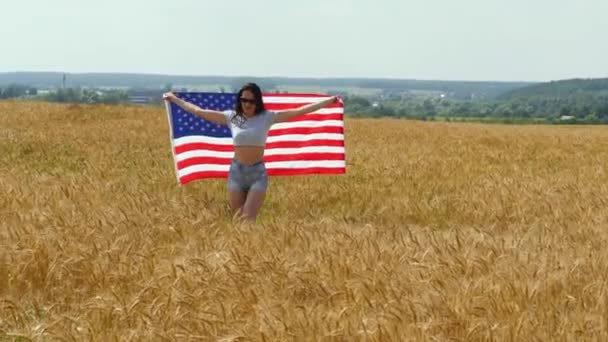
(267,159)
(295,95)
(304,156)
(279,144)
(317,117)
(271,172)
(202,160)
(203,146)
(284,106)
(305,130)
(309,143)
(320,170)
(203,174)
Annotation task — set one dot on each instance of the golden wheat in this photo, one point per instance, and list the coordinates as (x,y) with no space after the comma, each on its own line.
(438,231)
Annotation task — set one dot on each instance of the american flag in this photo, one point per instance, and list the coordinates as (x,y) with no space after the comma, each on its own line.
(312,143)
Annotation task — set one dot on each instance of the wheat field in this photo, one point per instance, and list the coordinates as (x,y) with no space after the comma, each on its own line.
(437,232)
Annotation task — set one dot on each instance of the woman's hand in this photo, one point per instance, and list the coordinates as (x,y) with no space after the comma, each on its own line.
(169,97)
(286,115)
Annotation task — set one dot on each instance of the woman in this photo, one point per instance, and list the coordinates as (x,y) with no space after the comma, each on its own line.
(249,124)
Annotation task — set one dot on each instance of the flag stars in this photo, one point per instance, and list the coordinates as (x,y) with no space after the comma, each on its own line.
(187,123)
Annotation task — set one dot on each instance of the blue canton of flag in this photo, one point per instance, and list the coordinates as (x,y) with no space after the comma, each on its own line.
(187,124)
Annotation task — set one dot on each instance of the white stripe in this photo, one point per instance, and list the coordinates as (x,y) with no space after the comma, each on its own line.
(302,164)
(306,137)
(285,99)
(308,124)
(279,138)
(308,149)
(272,165)
(203,153)
(327,111)
(268,152)
(324,111)
(202,168)
(203,139)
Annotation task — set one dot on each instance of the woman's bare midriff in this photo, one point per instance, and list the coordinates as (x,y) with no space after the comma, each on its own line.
(248,154)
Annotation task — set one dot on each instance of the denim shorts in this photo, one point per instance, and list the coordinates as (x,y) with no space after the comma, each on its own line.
(246,178)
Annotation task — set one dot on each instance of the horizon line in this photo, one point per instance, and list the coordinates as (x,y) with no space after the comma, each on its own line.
(285,77)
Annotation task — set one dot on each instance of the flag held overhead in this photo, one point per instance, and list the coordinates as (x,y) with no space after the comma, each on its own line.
(312,143)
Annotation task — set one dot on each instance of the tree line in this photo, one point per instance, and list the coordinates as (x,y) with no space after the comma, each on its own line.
(573,105)
(78,95)
(576,108)
(65,95)
(16,90)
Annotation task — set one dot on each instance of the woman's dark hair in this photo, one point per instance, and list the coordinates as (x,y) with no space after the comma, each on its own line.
(257,93)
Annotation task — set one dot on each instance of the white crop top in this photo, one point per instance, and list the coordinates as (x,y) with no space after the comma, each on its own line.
(250,131)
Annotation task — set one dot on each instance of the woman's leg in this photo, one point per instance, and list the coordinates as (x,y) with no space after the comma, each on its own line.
(237,190)
(253,203)
(247,187)
(256,195)
(237,201)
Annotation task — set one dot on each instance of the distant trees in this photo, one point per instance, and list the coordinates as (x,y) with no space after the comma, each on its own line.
(583,108)
(16,90)
(78,95)
(266,84)
(357,105)
(575,101)
(560,89)
(74,95)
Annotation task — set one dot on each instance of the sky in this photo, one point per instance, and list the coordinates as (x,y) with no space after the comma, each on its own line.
(478,40)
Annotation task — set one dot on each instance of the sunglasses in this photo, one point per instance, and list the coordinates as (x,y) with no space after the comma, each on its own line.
(244,100)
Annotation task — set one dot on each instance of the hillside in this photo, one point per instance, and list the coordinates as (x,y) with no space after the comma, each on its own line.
(560,89)
(487,89)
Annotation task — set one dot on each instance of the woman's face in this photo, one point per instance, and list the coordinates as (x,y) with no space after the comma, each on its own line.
(248,103)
